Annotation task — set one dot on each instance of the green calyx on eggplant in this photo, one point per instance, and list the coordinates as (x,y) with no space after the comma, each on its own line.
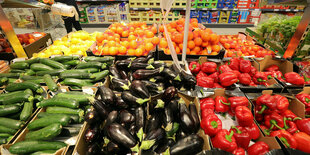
(121,136)
(152,138)
(114,72)
(187,123)
(139,89)
(119,84)
(171,75)
(169,94)
(145,74)
(91,117)
(101,109)
(106,95)
(133,100)
(126,117)
(194,114)
(92,134)
(152,86)
(189,80)
(123,64)
(191,144)
(173,130)
(141,65)
(156,79)
(158,64)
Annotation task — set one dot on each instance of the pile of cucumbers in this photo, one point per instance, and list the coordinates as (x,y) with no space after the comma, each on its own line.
(57,119)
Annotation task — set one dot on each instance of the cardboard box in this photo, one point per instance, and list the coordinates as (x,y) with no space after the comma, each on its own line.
(38,45)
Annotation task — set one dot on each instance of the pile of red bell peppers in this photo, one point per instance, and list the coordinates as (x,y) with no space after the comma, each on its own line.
(305,99)
(238,138)
(275,119)
(239,70)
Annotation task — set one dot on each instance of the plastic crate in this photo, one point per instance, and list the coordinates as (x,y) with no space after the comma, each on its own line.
(211,5)
(200,3)
(179,4)
(193,3)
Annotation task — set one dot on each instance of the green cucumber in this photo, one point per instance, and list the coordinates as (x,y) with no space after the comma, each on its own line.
(3,140)
(40,67)
(26,147)
(9,109)
(74,118)
(72,62)
(81,97)
(50,82)
(14,116)
(45,133)
(98,65)
(64,110)
(75,88)
(37,81)
(17,71)
(10,123)
(24,85)
(62,119)
(76,82)
(12,94)
(54,72)
(45,152)
(59,101)
(38,98)
(99,59)
(19,65)
(65,58)
(11,80)
(91,70)
(75,75)
(27,111)
(100,75)
(19,98)
(5,135)
(32,61)
(52,63)
(7,130)
(9,75)
(74,71)
(3,81)
(27,77)
(30,72)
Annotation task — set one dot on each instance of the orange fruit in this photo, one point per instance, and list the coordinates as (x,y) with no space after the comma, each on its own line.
(113,50)
(213,53)
(155,40)
(216,48)
(205,36)
(193,20)
(178,38)
(111,43)
(177,50)
(161,28)
(190,36)
(113,29)
(205,44)
(213,37)
(167,51)
(149,34)
(163,43)
(139,52)
(133,44)
(142,48)
(99,37)
(198,41)
(119,30)
(208,30)
(196,49)
(125,44)
(181,46)
(105,50)
(196,33)
(131,52)
(195,24)
(154,29)
(181,21)
(110,38)
(193,53)
(125,34)
(204,52)
(140,32)
(149,47)
(131,38)
(122,50)
(188,51)
(191,44)
(173,24)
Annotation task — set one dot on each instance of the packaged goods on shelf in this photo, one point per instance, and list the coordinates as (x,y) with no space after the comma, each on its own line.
(92,14)
(20,17)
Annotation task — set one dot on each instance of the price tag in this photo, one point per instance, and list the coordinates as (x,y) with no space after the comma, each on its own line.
(135,8)
(63,90)
(204,8)
(225,8)
(147,8)
(296,10)
(276,9)
(213,9)
(287,10)
(88,91)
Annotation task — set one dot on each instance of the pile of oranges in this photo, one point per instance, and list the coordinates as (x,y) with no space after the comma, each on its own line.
(127,39)
(201,41)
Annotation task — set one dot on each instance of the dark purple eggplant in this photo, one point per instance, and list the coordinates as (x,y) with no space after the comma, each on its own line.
(114,72)
(157,79)
(152,86)
(133,100)
(145,74)
(140,60)
(186,121)
(92,134)
(93,149)
(168,119)
(189,80)
(150,55)
(119,84)
(113,148)
(123,75)
(180,135)
(120,103)
(123,64)
(138,89)
(152,123)
(130,76)
(169,94)
(171,75)
(174,106)
(121,136)
(140,118)
(106,95)
(126,117)
(140,65)
(112,117)
(152,138)
(132,129)
(91,117)
(101,109)
(194,114)
(191,144)
(164,145)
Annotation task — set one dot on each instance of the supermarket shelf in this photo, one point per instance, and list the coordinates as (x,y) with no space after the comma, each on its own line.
(96,25)
(155,9)
(104,25)
(21,4)
(219,9)
(102,0)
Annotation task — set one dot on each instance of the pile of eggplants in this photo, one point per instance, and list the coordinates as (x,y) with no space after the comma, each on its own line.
(118,125)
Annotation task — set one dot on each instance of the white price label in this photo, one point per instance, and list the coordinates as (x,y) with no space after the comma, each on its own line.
(63,90)
(276,9)
(147,8)
(88,91)
(135,8)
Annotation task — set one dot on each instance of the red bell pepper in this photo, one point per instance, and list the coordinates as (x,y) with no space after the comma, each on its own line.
(307,112)
(304,98)
(274,121)
(291,126)
(234,63)
(253,130)
(260,78)
(206,112)
(245,66)
(269,75)
(207,103)
(206,82)
(289,114)
(287,139)
(266,101)
(303,141)
(278,75)
(194,66)
(224,141)
(237,101)
(294,78)
(258,117)
(215,77)
(265,130)
(253,71)
(216,85)
(272,68)
(228,78)
(211,125)
(244,116)
(245,79)
(209,67)
(236,72)
(259,148)
(282,103)
(224,68)
(239,151)
(201,75)
(242,136)
(252,84)
(304,125)
(307,79)
(221,104)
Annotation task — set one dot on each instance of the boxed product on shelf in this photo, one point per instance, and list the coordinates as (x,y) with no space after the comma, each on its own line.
(244,16)
(233,18)
(226,4)
(179,4)
(243,4)
(224,16)
(92,14)
(214,16)
(20,17)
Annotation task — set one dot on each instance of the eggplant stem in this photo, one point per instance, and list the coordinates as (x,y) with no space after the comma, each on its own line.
(147,144)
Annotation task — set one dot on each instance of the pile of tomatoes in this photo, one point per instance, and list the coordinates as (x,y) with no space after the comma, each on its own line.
(201,41)
(127,39)
(235,46)
(29,38)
